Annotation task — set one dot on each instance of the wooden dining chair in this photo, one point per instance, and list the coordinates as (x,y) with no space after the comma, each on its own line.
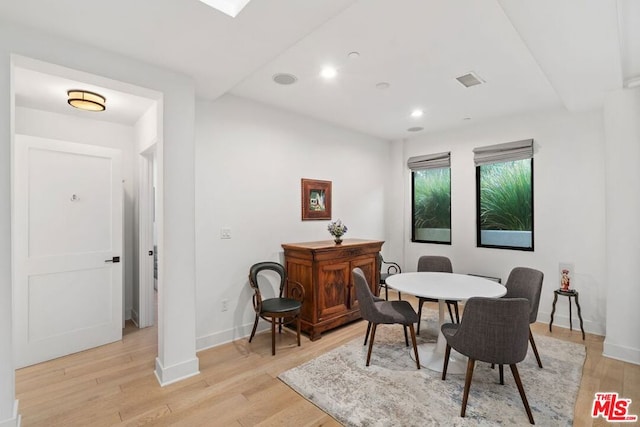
(277,310)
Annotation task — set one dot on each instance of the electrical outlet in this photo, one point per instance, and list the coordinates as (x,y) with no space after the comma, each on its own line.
(225,233)
(225,304)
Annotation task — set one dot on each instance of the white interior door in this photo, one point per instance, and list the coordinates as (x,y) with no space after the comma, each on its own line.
(68,218)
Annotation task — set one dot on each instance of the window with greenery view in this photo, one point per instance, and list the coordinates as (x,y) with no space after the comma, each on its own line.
(431,207)
(505,204)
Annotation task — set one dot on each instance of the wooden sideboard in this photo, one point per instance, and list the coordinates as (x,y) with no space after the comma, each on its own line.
(324,270)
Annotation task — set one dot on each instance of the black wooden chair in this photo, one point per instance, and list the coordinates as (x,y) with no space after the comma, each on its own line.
(493,330)
(387,268)
(378,312)
(278,310)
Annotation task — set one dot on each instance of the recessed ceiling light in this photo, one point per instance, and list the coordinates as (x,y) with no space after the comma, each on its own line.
(415,129)
(284,79)
(354,55)
(417,113)
(329,72)
(382,85)
(229,7)
(85,100)
(466,118)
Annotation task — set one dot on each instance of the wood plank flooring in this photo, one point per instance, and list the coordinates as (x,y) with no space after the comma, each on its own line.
(238,386)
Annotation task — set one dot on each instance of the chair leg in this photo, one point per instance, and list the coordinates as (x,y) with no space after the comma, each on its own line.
(501,370)
(535,349)
(280,325)
(386,292)
(399,296)
(255,325)
(373,335)
(516,376)
(467,385)
(415,344)
(455,306)
(447,354)
(298,327)
(450,312)
(273,336)
(406,338)
(420,302)
(367,334)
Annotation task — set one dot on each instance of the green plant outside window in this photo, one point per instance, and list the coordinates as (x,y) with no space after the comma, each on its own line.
(431,207)
(505,204)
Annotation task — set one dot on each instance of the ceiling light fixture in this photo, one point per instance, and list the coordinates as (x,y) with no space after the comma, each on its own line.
(228,7)
(415,129)
(85,100)
(383,85)
(328,72)
(417,113)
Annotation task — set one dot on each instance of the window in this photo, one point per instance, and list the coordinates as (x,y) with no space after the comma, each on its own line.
(504,194)
(431,198)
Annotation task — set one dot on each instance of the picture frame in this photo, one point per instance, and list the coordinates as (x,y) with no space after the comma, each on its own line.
(316,199)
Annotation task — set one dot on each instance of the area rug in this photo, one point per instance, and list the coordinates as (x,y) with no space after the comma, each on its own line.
(392,392)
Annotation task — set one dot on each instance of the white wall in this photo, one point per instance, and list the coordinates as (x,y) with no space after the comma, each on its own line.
(176,305)
(249,162)
(622,124)
(569,206)
(95,132)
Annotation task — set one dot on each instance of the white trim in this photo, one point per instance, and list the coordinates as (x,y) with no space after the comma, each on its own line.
(175,373)
(15,420)
(619,352)
(229,335)
(145,235)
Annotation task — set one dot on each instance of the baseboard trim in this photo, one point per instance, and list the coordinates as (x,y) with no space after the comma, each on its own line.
(562,320)
(15,420)
(172,374)
(135,317)
(620,352)
(224,337)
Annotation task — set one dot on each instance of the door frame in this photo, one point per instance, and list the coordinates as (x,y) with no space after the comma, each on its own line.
(146,199)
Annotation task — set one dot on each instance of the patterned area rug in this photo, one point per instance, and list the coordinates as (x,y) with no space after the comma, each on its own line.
(392,392)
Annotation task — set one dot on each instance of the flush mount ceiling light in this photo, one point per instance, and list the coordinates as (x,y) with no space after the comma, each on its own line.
(415,129)
(228,7)
(328,72)
(85,100)
(417,113)
(470,79)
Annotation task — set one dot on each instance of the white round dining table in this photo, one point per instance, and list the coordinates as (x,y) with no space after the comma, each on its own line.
(443,287)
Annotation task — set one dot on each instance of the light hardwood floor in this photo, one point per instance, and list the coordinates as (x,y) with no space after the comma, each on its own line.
(238,385)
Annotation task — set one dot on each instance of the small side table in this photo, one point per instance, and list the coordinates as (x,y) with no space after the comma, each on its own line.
(568,294)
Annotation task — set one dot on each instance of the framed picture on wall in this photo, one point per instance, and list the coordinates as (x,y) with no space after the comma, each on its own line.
(316,199)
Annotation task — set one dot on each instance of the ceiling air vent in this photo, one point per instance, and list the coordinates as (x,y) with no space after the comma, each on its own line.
(285,79)
(470,79)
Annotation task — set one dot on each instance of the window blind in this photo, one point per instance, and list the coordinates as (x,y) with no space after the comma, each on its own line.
(430,161)
(507,152)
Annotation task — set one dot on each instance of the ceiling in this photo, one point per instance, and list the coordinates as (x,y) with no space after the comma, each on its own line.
(532,54)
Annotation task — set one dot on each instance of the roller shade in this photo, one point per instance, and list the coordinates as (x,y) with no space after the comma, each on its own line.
(506,152)
(430,161)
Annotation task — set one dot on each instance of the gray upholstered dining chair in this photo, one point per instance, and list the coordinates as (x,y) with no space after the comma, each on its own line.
(438,264)
(493,330)
(524,282)
(277,310)
(379,312)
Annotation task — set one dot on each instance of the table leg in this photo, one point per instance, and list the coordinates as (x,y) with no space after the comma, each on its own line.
(553,309)
(432,354)
(580,316)
(570,316)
